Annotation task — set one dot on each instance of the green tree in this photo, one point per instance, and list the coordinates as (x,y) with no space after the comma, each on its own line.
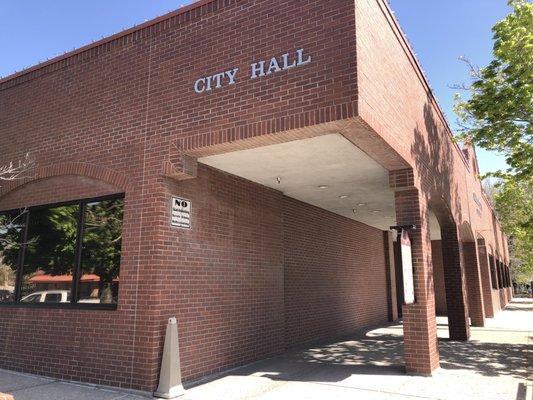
(514,205)
(102,243)
(52,240)
(498,114)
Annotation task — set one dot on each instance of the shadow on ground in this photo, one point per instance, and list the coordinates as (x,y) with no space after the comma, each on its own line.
(374,353)
(488,359)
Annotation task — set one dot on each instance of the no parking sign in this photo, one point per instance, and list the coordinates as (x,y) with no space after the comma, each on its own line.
(180,213)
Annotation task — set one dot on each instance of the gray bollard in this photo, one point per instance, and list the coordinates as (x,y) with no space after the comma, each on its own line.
(170,385)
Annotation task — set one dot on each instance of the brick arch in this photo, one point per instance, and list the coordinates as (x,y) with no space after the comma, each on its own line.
(466,232)
(454,276)
(442,210)
(485,270)
(469,248)
(81,169)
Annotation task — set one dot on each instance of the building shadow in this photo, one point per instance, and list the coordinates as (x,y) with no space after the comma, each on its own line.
(488,359)
(334,362)
(371,353)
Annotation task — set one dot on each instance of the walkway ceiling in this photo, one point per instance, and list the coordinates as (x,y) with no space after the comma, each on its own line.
(326,171)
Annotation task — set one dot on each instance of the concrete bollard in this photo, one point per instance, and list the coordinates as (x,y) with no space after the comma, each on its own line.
(170,385)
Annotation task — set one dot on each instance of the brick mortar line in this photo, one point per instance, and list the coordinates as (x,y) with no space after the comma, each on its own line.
(141,219)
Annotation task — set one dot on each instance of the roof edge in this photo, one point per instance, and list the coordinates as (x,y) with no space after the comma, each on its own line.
(420,72)
(136,28)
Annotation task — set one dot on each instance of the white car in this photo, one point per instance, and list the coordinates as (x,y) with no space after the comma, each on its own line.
(48,296)
(54,296)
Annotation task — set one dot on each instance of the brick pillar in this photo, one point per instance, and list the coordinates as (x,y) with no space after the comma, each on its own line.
(473,280)
(419,325)
(486,284)
(454,282)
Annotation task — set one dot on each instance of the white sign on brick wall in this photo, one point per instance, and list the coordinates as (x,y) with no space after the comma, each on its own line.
(407,267)
(180,213)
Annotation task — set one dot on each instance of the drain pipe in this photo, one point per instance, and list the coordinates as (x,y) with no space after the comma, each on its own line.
(170,386)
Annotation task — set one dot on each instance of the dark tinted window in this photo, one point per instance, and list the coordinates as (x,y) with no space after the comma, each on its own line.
(100,256)
(62,253)
(11,231)
(52,298)
(50,249)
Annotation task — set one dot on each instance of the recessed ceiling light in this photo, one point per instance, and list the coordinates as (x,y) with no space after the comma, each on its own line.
(354,211)
(361,204)
(323,187)
(343,196)
(278,179)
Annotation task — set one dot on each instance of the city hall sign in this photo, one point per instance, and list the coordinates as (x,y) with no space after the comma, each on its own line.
(257,70)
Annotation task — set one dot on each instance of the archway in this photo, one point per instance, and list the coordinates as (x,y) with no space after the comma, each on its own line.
(469,253)
(484,267)
(453,271)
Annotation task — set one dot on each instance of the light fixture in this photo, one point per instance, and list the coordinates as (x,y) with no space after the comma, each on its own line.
(278,179)
(361,204)
(343,196)
(354,211)
(376,211)
(323,187)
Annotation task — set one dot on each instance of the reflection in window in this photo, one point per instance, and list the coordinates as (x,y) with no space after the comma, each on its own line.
(62,253)
(100,256)
(50,249)
(11,230)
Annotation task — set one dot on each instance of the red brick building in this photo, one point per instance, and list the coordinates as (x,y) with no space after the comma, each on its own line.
(296,133)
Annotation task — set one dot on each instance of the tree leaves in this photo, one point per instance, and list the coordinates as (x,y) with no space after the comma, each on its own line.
(498,115)
(514,205)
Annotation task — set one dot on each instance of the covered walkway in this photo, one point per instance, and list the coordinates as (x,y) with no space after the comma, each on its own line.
(491,365)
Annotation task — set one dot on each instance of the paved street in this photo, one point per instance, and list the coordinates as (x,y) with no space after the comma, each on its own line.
(492,365)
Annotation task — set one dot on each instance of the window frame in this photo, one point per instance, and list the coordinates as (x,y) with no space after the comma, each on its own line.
(76,271)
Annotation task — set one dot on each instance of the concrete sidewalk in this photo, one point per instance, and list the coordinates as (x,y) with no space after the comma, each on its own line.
(32,387)
(492,365)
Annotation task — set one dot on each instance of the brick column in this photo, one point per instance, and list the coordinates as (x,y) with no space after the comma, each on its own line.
(486,285)
(454,282)
(419,325)
(473,280)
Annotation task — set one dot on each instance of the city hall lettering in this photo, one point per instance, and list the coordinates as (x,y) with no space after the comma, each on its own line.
(257,70)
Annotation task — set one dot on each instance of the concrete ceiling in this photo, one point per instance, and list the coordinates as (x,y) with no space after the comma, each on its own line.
(301,168)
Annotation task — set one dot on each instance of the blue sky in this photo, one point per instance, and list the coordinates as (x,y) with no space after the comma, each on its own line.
(439,31)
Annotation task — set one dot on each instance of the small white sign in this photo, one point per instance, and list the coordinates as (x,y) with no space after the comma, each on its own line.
(180,213)
(407,269)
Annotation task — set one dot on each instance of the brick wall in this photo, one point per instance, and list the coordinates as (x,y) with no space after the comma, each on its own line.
(254,275)
(395,100)
(223,279)
(89,345)
(334,277)
(120,107)
(119,110)
(258,284)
